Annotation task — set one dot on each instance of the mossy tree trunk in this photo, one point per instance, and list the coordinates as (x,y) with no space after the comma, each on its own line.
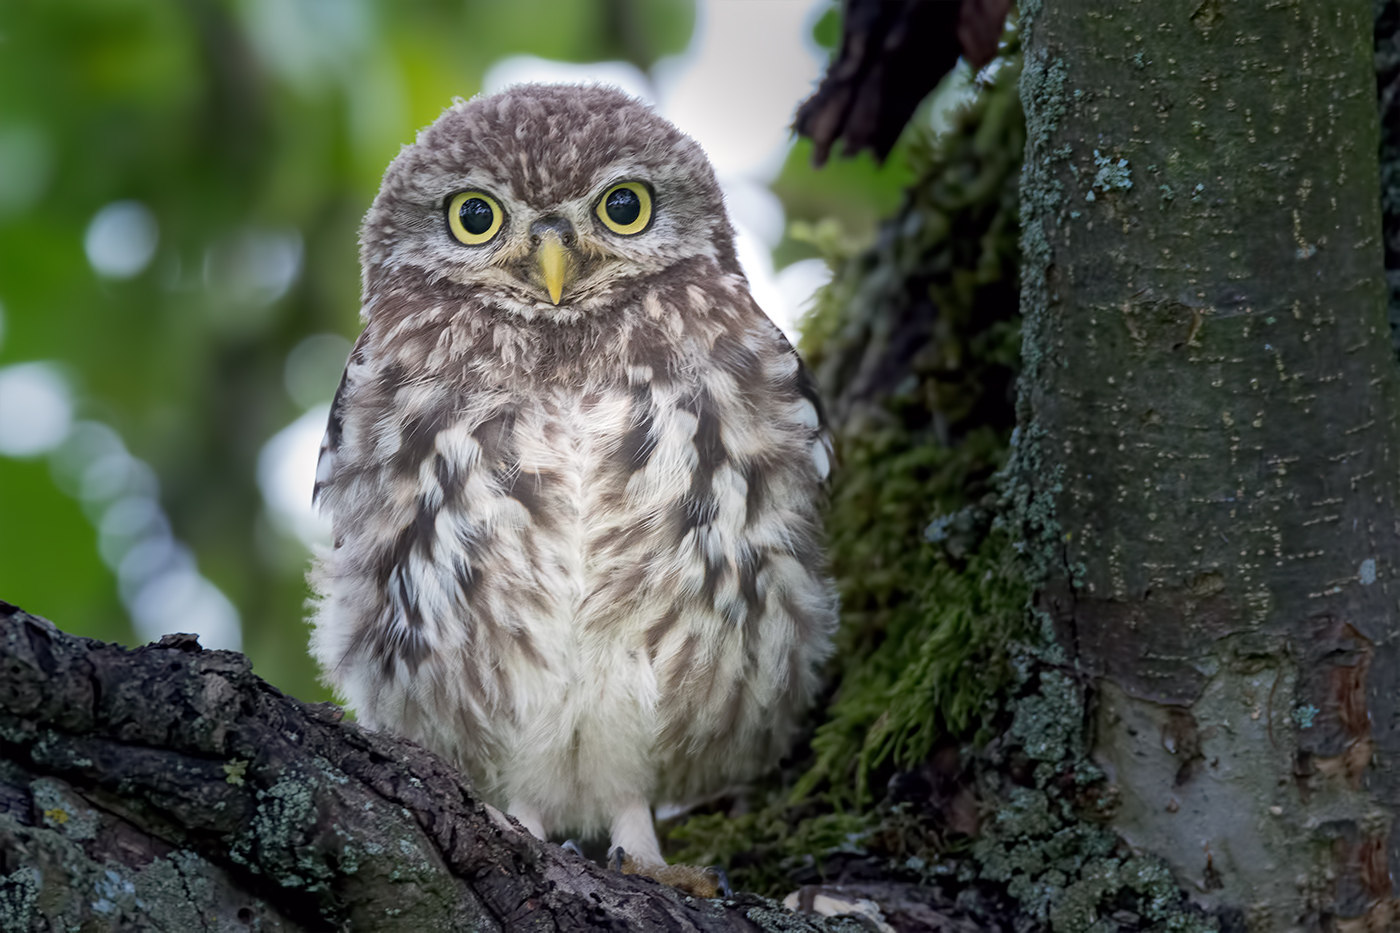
(1209,428)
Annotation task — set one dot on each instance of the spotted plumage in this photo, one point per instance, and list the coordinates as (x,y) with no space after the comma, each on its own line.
(573,473)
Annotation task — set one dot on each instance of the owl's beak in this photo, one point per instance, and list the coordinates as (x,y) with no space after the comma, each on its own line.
(553,242)
(553,260)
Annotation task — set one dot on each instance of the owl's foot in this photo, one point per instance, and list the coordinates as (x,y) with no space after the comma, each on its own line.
(569,845)
(634,831)
(529,817)
(692,879)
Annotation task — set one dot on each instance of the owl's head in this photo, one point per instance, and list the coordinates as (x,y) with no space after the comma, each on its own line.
(544,200)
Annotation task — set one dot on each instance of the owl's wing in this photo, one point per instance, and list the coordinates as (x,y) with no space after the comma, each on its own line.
(788,380)
(823,448)
(335,426)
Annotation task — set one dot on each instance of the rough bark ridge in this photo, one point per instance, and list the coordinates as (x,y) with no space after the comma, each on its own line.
(1211,429)
(1388,94)
(168,788)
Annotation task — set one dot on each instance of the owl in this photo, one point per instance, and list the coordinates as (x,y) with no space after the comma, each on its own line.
(573,473)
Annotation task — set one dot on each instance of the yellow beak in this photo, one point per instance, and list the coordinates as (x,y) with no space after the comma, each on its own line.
(553,261)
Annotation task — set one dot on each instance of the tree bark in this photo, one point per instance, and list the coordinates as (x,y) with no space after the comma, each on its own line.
(168,788)
(1210,429)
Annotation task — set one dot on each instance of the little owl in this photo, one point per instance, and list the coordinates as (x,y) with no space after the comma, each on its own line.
(573,472)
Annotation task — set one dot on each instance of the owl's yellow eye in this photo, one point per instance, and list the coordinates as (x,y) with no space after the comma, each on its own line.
(474,217)
(626,208)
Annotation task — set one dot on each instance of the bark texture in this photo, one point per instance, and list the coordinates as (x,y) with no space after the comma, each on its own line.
(1210,432)
(1388,94)
(168,788)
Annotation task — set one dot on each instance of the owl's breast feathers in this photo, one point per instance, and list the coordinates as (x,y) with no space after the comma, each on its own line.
(543,532)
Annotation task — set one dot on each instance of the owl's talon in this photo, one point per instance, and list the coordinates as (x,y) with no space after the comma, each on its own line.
(569,845)
(615,859)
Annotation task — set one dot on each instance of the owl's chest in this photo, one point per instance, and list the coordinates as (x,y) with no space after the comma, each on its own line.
(562,450)
(600,476)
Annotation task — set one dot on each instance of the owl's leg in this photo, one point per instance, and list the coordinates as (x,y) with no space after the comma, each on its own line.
(529,817)
(635,833)
(635,851)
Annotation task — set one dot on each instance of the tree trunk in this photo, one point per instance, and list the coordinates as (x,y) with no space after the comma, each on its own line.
(168,788)
(1209,426)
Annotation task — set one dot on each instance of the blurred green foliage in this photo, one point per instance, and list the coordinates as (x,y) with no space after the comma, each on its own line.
(851,195)
(230,120)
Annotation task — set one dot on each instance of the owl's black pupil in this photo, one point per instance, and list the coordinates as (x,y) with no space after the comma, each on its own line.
(623,206)
(476,215)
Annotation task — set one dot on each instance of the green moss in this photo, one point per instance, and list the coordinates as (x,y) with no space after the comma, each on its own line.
(762,848)
(925,633)
(915,345)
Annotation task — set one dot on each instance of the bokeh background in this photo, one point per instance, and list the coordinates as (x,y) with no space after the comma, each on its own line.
(181,183)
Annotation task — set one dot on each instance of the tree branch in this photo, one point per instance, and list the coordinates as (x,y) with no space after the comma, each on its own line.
(167,787)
